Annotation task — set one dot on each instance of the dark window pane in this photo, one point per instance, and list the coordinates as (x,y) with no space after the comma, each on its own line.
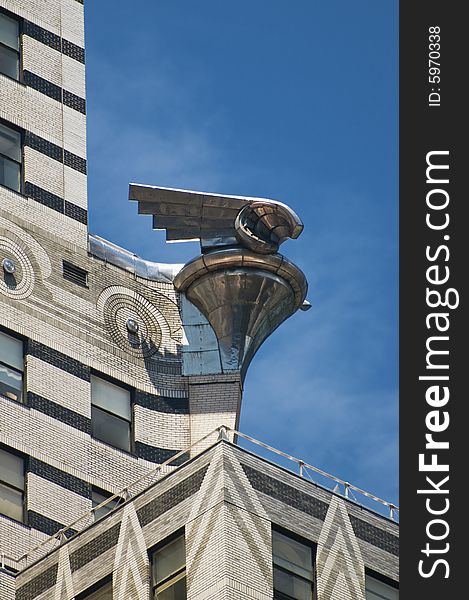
(11,383)
(112,398)
(10,174)
(9,32)
(292,555)
(10,143)
(9,62)
(97,498)
(176,591)
(11,502)
(104,593)
(11,351)
(377,590)
(11,469)
(110,429)
(169,560)
(291,586)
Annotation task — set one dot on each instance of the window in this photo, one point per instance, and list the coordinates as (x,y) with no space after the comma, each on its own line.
(9,46)
(103,592)
(11,485)
(98,496)
(293,568)
(377,590)
(10,158)
(11,367)
(169,571)
(111,413)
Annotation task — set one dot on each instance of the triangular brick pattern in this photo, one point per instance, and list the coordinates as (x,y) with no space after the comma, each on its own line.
(131,573)
(339,563)
(228,536)
(64,585)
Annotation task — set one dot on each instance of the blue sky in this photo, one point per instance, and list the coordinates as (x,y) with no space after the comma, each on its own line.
(292,100)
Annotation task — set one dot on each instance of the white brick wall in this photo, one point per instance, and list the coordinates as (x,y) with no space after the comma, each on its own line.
(42,218)
(58,386)
(73,76)
(74,131)
(42,60)
(7,586)
(56,502)
(162,430)
(212,405)
(31,110)
(72,21)
(43,171)
(75,188)
(44,13)
(24,539)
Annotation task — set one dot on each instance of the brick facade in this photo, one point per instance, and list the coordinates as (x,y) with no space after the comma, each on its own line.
(73,325)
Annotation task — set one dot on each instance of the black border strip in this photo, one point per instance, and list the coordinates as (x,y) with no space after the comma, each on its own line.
(53,41)
(433,299)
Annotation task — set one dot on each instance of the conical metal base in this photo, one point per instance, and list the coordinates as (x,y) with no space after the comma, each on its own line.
(244,297)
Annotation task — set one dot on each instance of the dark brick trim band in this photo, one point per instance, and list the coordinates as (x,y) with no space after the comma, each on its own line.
(34,588)
(61,413)
(75,162)
(316,508)
(100,544)
(77,213)
(55,152)
(171,498)
(94,548)
(42,85)
(44,197)
(376,536)
(56,203)
(74,101)
(43,146)
(53,41)
(46,525)
(286,493)
(54,91)
(59,360)
(59,477)
(158,455)
(161,403)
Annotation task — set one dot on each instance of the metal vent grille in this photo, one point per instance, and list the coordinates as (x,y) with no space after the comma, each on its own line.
(75,274)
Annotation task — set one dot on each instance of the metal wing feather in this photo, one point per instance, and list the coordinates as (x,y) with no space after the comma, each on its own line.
(215,219)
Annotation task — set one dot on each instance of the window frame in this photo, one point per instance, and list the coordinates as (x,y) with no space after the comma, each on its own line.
(130,422)
(24,512)
(18,51)
(278,595)
(105,494)
(21,339)
(95,588)
(173,578)
(20,131)
(391,583)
